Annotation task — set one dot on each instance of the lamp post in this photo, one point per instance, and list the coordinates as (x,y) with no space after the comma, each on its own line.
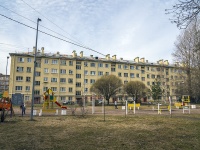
(33,87)
(6,74)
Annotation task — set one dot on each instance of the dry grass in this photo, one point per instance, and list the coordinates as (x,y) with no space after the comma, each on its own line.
(91,132)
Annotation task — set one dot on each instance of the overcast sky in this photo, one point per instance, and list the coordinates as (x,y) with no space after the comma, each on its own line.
(126,28)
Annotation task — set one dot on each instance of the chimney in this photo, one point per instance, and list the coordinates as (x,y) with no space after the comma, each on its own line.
(147,61)
(91,56)
(136,59)
(121,58)
(34,50)
(42,50)
(142,59)
(81,54)
(108,56)
(114,57)
(166,62)
(160,62)
(58,54)
(74,53)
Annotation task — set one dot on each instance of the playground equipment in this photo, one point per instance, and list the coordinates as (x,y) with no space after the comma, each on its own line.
(185,101)
(49,100)
(5,106)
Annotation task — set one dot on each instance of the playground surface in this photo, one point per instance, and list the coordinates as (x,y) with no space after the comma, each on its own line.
(91,132)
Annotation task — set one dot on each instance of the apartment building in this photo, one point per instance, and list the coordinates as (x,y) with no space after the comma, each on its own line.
(71,76)
(4,83)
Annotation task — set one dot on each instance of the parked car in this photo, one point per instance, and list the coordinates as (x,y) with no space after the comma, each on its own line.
(69,102)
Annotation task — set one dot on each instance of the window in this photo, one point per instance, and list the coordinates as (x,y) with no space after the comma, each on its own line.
(70,72)
(54,89)
(125,74)
(85,81)
(142,71)
(54,61)
(45,88)
(70,89)
(46,70)
(119,66)
(143,78)
(28,79)
(28,59)
(19,78)
(46,61)
(158,69)
(54,70)
(158,76)
(92,73)
(63,98)
(107,73)
(28,69)
(27,98)
(152,76)
(20,69)
(113,69)
(45,79)
(20,59)
(78,62)
(100,73)
(125,82)
(37,82)
(100,64)
(37,74)
(125,66)
(63,71)
(148,76)
(92,64)
(53,79)
(62,80)
(70,98)
(78,67)
(70,80)
(27,88)
(71,63)
(38,64)
(78,75)
(119,74)
(78,92)
(131,67)
(62,89)
(92,81)
(63,62)
(78,84)
(106,65)
(148,83)
(137,75)
(18,88)
(132,75)
(85,64)
(86,90)
(137,67)
(148,68)
(86,72)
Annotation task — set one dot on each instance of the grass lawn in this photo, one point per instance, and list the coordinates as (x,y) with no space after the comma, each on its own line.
(91,132)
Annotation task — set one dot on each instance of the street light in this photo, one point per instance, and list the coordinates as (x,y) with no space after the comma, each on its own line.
(33,88)
(6,73)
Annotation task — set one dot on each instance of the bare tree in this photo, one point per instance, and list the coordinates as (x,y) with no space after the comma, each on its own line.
(184,12)
(187,53)
(135,89)
(107,85)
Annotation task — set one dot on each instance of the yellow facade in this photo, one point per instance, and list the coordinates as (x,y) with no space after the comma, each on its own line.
(69,75)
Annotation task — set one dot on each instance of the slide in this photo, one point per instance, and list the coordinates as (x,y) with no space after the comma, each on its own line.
(64,107)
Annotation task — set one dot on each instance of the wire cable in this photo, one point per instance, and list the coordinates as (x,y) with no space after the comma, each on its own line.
(53,23)
(53,35)
(40,25)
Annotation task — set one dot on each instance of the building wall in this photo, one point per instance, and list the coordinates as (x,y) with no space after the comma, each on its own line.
(54,69)
(4,83)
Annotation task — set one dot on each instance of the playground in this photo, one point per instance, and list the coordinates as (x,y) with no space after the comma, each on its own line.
(139,131)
